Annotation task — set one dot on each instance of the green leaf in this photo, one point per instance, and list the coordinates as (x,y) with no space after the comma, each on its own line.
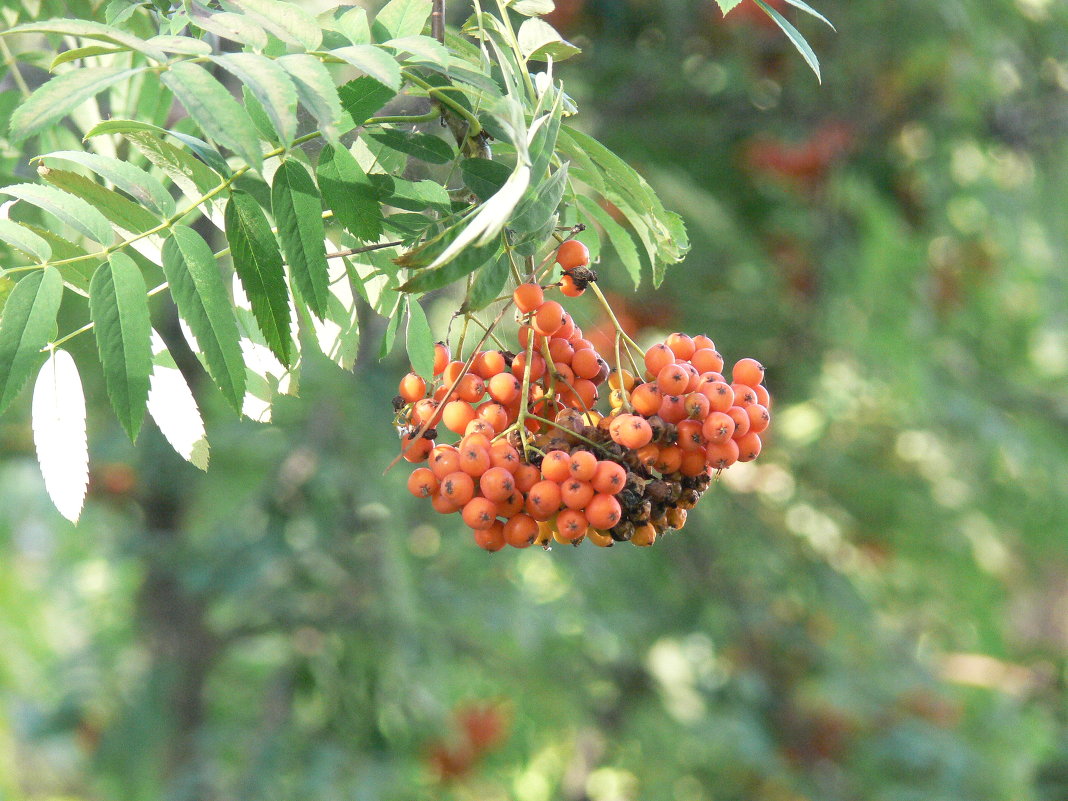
(727,5)
(298,212)
(795,37)
(410,195)
(539,40)
(362,97)
(235,27)
(316,89)
(353,25)
(419,341)
(484,177)
(287,21)
(118,305)
(87,29)
(191,175)
(183,45)
(347,191)
(466,262)
(424,48)
(24,239)
(258,264)
(541,204)
(810,10)
(83,52)
(390,334)
(214,109)
(488,285)
(67,208)
(55,99)
(134,181)
(202,300)
(431,149)
(270,85)
(403,18)
(119,210)
(619,237)
(26,326)
(535,8)
(374,61)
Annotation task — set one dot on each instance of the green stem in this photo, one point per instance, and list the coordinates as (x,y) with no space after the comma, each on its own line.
(9,59)
(441,93)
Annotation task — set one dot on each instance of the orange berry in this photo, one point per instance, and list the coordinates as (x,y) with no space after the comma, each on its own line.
(572,524)
(690,438)
(672,409)
(644,536)
(707,360)
(444,459)
(549,318)
(458,487)
(586,363)
(681,345)
(556,466)
(648,454)
(511,506)
(524,334)
(537,366)
(720,395)
(441,357)
(479,426)
(747,371)
(763,396)
(560,351)
(744,395)
(504,455)
(416,451)
(474,459)
(504,387)
(572,254)
(693,463)
(587,393)
(440,393)
(749,447)
(578,343)
(456,415)
(633,431)
(741,421)
(564,374)
(570,288)
(422,483)
(442,505)
(721,455)
(487,364)
(471,388)
(520,531)
(528,297)
(672,379)
(609,478)
(495,414)
(694,376)
(412,388)
(526,476)
(620,379)
(701,341)
(497,484)
(603,511)
(600,538)
(718,427)
(492,538)
(452,372)
(646,399)
(479,513)
(576,494)
(543,500)
(567,329)
(669,459)
(583,465)
(424,411)
(658,357)
(759,418)
(696,405)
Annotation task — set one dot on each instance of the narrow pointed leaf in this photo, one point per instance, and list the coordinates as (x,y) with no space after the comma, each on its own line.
(795,37)
(199,293)
(810,10)
(214,109)
(121,211)
(618,235)
(403,17)
(28,320)
(270,85)
(419,340)
(347,191)
(316,89)
(374,61)
(361,98)
(258,264)
(55,99)
(727,6)
(173,407)
(235,27)
(118,304)
(287,21)
(24,239)
(134,181)
(298,212)
(71,210)
(88,29)
(489,284)
(58,419)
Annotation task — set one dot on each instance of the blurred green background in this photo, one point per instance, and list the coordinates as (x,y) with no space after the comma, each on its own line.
(876,609)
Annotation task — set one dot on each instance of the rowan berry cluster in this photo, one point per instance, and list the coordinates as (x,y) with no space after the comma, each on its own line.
(537,462)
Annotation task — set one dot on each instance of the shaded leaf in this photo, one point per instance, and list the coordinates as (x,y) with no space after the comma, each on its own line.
(26,326)
(362,97)
(67,208)
(270,85)
(134,181)
(488,285)
(298,212)
(419,341)
(347,191)
(316,90)
(469,259)
(258,265)
(202,301)
(619,237)
(118,305)
(431,149)
(119,210)
(484,177)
